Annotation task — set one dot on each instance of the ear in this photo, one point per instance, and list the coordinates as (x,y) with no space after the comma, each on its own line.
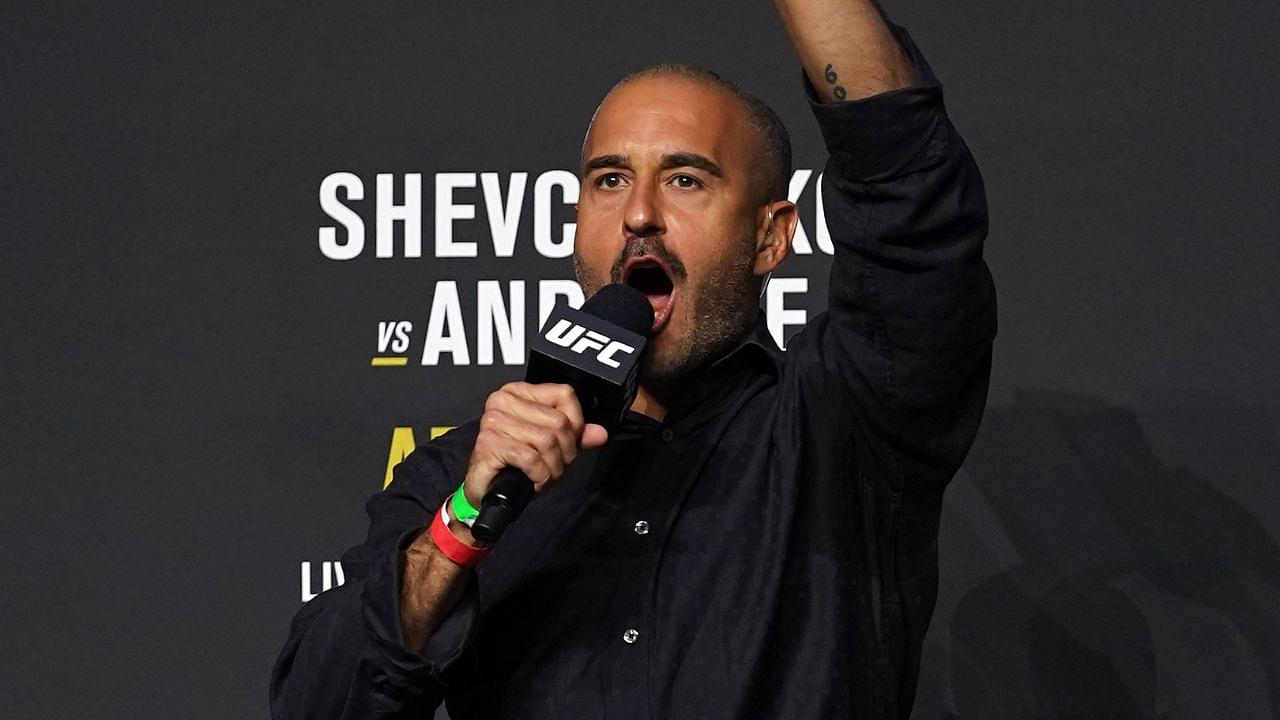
(774,229)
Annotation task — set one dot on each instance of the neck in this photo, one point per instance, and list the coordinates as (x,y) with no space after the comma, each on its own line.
(652,401)
(654,397)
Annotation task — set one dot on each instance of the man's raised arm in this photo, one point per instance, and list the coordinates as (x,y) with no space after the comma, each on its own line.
(907,338)
(846,47)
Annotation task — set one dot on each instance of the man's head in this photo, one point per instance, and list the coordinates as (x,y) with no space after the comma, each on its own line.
(684,186)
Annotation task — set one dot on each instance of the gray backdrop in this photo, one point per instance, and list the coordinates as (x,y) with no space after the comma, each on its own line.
(190,411)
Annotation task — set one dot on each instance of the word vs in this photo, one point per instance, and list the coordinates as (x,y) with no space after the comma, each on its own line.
(394,336)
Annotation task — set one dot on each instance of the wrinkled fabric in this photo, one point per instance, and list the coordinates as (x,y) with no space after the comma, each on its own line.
(767,551)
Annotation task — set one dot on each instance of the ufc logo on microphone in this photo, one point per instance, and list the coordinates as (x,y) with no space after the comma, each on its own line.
(568,334)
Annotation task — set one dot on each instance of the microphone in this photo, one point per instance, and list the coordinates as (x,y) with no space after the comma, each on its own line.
(596,351)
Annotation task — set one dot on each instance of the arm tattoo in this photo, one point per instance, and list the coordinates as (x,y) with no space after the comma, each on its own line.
(831,77)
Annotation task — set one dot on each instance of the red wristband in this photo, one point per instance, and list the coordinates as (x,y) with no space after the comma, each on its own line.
(451,546)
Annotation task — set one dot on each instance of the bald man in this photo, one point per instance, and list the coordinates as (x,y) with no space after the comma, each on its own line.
(758,538)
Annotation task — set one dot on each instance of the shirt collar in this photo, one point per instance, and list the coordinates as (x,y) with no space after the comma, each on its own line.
(713,386)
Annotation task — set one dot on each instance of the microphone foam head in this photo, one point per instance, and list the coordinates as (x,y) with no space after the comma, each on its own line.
(623,306)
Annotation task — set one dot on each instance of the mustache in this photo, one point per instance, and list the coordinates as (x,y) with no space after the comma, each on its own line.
(648,245)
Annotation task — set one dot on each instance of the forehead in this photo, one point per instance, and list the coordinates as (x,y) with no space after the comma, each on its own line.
(651,116)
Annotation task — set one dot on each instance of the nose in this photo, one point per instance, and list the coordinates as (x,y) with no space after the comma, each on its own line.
(642,216)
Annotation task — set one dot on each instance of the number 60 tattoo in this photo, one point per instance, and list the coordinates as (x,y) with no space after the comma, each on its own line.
(831,77)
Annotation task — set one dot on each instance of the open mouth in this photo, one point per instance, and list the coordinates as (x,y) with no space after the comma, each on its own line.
(650,276)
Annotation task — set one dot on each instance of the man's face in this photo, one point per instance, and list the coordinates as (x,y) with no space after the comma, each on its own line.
(669,205)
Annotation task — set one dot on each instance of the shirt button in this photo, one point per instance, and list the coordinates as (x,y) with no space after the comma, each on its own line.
(668,434)
(631,636)
(642,528)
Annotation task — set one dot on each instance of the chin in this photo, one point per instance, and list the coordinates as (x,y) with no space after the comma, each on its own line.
(657,367)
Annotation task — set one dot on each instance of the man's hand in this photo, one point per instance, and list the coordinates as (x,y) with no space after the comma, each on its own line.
(537,429)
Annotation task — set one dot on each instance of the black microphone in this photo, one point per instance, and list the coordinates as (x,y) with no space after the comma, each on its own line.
(596,351)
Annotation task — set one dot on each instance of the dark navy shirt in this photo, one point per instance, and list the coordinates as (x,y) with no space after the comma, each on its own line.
(769,549)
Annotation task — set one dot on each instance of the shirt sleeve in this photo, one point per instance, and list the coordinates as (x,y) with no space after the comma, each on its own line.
(345,655)
(907,337)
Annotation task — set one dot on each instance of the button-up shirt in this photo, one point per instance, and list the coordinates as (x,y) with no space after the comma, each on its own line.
(768,550)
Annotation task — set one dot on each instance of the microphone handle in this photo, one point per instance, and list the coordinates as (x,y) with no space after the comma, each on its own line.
(507,497)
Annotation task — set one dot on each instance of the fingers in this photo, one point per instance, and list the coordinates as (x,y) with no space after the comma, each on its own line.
(548,418)
(496,449)
(555,444)
(537,429)
(593,436)
(559,396)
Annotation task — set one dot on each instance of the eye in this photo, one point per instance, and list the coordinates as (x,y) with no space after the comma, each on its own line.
(609,181)
(686,182)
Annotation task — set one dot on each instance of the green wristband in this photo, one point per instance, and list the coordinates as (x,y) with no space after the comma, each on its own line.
(461,508)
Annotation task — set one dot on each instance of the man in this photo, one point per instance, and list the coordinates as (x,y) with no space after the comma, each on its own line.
(758,540)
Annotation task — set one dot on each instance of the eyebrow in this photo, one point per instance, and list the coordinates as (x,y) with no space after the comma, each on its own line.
(693,160)
(669,161)
(605,161)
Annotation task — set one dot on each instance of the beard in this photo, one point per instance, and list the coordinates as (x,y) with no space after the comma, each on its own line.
(718,311)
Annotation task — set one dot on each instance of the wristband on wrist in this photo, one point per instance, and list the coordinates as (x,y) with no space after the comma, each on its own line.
(451,546)
(460,508)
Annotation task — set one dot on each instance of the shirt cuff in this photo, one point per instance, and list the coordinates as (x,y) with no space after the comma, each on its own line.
(882,136)
(382,619)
